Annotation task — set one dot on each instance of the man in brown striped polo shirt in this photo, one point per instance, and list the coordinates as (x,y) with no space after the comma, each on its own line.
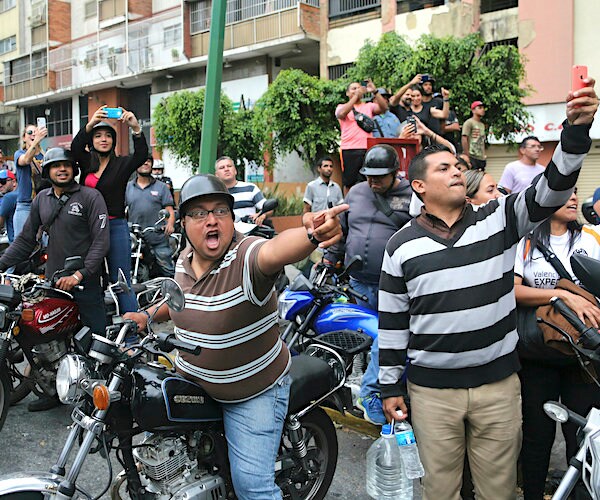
(231,312)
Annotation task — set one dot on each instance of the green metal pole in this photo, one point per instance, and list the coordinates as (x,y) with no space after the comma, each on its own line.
(212,103)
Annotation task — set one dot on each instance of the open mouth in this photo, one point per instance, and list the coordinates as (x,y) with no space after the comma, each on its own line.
(212,240)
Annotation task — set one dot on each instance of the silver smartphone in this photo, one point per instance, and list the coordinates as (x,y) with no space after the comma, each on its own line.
(41,122)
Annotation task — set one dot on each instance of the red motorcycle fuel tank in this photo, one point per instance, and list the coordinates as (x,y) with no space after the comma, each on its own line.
(55,318)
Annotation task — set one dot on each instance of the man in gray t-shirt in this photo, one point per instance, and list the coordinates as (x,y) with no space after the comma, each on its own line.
(145,197)
(322,193)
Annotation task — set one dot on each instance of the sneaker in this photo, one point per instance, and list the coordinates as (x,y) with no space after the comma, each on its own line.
(372,409)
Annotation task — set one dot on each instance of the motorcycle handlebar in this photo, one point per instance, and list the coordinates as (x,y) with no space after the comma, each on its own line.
(167,342)
(589,336)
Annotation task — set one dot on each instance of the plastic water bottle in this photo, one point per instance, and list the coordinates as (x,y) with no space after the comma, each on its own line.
(409,452)
(385,472)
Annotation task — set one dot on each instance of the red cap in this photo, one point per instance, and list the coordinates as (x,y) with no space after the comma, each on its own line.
(474,104)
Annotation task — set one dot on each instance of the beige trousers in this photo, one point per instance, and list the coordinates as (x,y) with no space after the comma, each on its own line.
(484,422)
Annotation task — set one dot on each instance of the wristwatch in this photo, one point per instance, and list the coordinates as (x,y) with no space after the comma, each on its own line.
(312,239)
(137,134)
(375,92)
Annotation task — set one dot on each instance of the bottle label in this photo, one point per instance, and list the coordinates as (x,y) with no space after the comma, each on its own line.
(405,437)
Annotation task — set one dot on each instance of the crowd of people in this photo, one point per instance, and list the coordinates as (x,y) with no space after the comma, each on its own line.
(449,258)
(448,286)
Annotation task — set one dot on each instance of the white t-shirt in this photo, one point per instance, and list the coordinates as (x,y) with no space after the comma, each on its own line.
(537,272)
(517,175)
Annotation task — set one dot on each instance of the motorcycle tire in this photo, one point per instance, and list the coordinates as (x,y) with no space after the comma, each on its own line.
(4,395)
(20,385)
(322,445)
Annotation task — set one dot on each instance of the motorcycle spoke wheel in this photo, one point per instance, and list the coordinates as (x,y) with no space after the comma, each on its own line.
(322,450)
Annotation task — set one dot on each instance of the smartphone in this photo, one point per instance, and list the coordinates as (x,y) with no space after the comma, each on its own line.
(113,112)
(41,122)
(424,78)
(578,74)
(364,83)
(412,122)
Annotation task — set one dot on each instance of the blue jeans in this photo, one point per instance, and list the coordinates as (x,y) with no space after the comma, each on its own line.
(20,217)
(164,259)
(119,257)
(369,383)
(91,305)
(253,431)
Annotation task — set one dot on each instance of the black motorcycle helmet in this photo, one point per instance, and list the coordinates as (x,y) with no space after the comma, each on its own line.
(202,185)
(54,155)
(587,209)
(107,126)
(381,159)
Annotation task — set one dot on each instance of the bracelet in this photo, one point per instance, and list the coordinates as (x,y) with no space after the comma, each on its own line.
(146,313)
(76,277)
(446,100)
(375,92)
(137,134)
(312,239)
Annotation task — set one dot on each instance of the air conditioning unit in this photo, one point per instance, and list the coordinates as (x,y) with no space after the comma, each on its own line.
(38,14)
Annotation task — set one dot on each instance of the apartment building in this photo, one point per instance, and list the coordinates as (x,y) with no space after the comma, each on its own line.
(73,56)
(552,34)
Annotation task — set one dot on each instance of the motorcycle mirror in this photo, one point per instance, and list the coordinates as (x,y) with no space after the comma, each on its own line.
(173,294)
(301,284)
(270,204)
(556,411)
(73,263)
(587,270)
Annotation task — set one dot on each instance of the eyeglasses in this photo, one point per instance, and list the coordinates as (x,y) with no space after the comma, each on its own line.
(535,146)
(201,214)
(3,181)
(30,132)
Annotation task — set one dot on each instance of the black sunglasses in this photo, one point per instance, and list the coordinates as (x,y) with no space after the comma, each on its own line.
(30,132)
(3,181)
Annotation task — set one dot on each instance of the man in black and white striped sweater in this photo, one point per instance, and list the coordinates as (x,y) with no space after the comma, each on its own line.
(446,302)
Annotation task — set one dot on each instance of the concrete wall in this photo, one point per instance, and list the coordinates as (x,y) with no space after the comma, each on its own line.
(587,36)
(546,40)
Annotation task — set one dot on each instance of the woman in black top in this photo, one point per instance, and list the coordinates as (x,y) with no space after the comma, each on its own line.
(94,148)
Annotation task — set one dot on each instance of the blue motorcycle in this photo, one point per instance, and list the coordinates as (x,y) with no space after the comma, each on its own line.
(321,306)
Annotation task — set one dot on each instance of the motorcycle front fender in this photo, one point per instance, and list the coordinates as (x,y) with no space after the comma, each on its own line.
(22,482)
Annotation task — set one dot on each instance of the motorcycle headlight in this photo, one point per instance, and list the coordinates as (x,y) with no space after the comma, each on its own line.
(72,370)
(283,306)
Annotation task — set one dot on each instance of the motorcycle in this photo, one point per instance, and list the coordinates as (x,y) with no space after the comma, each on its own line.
(144,265)
(183,451)
(37,323)
(585,464)
(319,306)
(247,227)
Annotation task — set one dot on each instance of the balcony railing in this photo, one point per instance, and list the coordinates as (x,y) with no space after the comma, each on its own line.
(26,88)
(240,11)
(148,44)
(300,19)
(342,8)
(412,5)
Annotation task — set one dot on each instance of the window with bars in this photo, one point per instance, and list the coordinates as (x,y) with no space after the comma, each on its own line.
(508,41)
(172,35)
(200,16)
(91,9)
(8,44)
(58,121)
(343,8)
(7,4)
(26,68)
(494,5)
(339,70)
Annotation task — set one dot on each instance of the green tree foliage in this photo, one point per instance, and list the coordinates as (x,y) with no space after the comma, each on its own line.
(493,76)
(296,113)
(177,122)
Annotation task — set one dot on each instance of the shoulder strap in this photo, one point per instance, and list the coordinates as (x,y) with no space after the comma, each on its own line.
(62,201)
(554,261)
(384,207)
